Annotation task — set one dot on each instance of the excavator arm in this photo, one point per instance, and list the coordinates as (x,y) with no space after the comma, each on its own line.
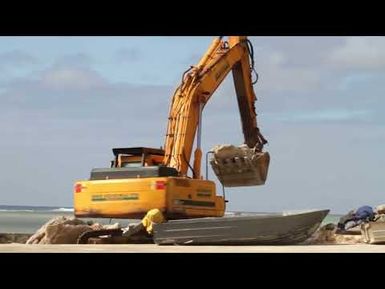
(141,179)
(198,85)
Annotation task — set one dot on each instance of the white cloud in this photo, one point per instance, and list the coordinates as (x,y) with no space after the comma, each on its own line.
(359,52)
(128,54)
(71,78)
(78,60)
(14,62)
(276,76)
(333,115)
(16,57)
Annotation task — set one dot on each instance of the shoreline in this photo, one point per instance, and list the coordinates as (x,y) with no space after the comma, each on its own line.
(15,243)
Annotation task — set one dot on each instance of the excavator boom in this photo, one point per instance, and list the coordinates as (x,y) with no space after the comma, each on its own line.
(185,117)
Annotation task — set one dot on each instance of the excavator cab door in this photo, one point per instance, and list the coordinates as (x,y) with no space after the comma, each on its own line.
(240,166)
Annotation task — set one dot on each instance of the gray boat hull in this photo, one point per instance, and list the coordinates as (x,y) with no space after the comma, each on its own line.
(252,229)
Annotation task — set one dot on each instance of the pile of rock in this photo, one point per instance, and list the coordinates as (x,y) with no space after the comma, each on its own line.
(6,238)
(328,234)
(64,230)
(361,230)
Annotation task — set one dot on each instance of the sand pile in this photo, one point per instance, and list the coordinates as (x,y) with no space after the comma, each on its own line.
(64,230)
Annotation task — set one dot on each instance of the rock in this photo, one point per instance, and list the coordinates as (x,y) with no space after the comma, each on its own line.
(380,209)
(113,226)
(327,235)
(380,218)
(96,226)
(40,234)
(14,238)
(64,233)
(65,230)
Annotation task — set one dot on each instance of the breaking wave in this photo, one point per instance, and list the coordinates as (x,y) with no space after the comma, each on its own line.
(63,210)
(14,210)
(35,209)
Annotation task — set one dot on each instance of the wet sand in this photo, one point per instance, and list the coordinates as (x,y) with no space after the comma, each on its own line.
(151,248)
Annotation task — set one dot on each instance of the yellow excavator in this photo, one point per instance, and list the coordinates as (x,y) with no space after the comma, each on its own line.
(141,179)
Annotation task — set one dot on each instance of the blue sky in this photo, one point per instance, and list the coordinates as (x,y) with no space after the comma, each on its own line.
(67,101)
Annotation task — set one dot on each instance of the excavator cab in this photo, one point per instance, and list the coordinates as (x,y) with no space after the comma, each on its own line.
(135,162)
(136,157)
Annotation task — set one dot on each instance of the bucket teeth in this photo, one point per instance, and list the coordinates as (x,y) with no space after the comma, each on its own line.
(240,166)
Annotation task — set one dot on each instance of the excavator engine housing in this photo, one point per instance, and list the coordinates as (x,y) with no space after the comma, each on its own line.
(134,185)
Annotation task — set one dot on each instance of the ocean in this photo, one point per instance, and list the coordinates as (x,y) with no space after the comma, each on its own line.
(28,219)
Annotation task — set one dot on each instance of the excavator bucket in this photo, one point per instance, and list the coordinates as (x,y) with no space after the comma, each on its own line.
(240,166)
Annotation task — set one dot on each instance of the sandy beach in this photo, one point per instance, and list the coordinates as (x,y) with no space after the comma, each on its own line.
(24,224)
(151,248)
